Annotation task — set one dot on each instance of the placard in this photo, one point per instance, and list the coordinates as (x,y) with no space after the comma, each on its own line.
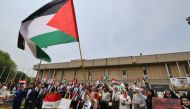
(64,104)
(165,103)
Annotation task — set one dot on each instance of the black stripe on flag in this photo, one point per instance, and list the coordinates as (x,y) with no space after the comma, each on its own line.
(48,9)
(21,42)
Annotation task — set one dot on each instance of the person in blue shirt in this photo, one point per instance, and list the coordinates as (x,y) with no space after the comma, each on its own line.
(18,97)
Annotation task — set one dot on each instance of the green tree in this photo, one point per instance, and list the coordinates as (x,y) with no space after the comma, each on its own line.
(8,68)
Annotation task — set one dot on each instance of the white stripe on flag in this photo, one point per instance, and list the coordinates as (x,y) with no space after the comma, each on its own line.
(37,26)
(50,105)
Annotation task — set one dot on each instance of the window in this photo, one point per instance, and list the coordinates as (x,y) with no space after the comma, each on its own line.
(124,72)
(62,76)
(51,72)
(144,71)
(89,74)
(75,73)
(54,74)
(40,74)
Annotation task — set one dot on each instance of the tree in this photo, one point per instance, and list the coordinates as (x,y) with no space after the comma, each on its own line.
(7,67)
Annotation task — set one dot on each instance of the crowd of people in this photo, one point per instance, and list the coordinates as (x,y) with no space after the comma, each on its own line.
(91,96)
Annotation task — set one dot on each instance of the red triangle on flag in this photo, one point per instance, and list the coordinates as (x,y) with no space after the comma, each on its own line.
(65,20)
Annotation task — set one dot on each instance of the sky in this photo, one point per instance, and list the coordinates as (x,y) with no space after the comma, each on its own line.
(107,28)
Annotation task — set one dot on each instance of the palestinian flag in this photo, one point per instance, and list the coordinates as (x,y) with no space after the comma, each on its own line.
(51,100)
(121,85)
(52,24)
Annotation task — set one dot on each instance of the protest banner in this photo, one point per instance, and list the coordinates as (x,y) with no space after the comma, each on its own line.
(160,87)
(165,103)
(51,100)
(64,104)
(4,94)
(180,84)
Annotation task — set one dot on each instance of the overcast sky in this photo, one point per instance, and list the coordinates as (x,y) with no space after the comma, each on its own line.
(107,28)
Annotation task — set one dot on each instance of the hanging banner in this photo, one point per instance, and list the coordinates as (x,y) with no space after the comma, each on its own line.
(165,103)
(180,84)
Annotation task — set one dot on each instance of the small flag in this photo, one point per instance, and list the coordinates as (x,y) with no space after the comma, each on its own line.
(121,85)
(51,100)
(114,80)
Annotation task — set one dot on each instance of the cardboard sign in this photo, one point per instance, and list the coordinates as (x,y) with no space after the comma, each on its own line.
(165,103)
(64,104)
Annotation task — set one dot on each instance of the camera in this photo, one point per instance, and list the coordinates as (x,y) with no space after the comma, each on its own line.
(123,103)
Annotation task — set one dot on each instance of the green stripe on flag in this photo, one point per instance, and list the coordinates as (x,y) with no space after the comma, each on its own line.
(52,38)
(40,54)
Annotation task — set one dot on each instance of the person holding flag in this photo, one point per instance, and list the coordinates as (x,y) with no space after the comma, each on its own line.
(125,100)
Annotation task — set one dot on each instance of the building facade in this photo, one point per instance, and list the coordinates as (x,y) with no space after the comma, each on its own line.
(157,68)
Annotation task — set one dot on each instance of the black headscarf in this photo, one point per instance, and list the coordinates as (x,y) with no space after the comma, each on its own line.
(172,94)
(183,105)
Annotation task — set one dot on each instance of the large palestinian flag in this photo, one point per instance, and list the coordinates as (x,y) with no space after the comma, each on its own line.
(52,24)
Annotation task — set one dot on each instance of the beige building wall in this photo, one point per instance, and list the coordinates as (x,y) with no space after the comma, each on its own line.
(58,74)
(155,65)
(46,73)
(133,73)
(97,73)
(175,70)
(182,69)
(69,74)
(115,73)
(81,75)
(157,72)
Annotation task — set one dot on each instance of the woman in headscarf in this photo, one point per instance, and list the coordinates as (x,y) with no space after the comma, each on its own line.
(125,100)
(170,94)
(138,101)
(149,99)
(185,102)
(115,97)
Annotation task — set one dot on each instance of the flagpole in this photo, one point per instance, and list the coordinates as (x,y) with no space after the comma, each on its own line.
(77,34)
(21,75)
(26,75)
(2,72)
(8,75)
(82,64)
(15,76)
(38,71)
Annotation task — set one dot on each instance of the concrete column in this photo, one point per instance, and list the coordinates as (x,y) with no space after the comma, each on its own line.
(167,71)
(188,63)
(54,74)
(178,69)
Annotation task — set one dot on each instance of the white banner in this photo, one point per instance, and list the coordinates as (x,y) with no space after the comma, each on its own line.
(180,84)
(64,104)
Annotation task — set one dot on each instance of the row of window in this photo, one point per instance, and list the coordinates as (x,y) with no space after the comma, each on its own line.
(185,67)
